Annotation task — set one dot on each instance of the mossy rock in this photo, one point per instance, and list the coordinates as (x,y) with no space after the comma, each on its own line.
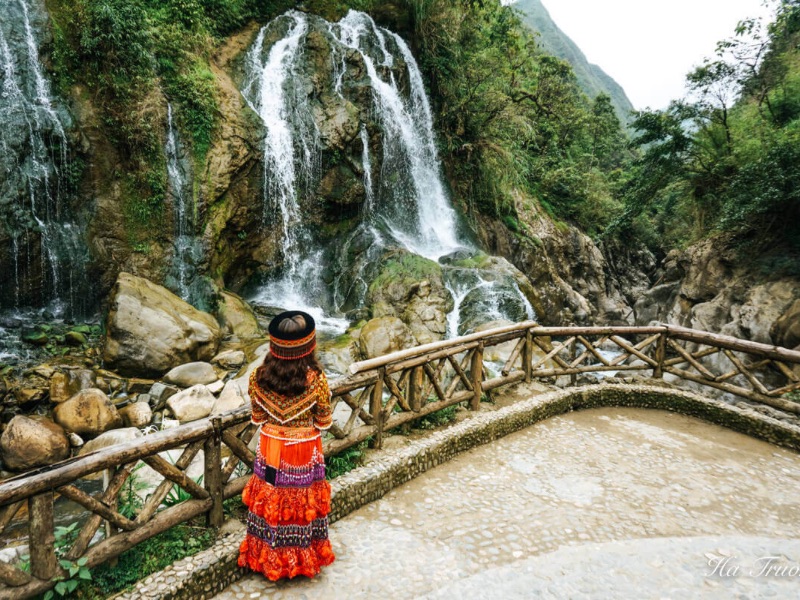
(35,337)
(400,272)
(75,338)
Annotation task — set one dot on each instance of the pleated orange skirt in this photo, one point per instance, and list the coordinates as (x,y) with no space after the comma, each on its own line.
(288,501)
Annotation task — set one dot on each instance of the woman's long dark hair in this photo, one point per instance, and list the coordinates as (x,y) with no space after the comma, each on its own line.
(287,377)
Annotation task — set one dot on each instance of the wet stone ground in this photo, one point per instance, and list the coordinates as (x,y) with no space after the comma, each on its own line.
(608,503)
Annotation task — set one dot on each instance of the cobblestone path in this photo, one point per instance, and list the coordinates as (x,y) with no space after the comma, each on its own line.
(607,503)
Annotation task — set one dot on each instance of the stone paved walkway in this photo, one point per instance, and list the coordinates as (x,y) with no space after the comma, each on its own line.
(610,503)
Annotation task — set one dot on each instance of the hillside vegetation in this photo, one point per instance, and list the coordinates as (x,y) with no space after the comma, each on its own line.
(591,78)
(515,127)
(726,159)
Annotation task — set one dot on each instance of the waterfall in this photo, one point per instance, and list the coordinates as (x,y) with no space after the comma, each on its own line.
(418,212)
(406,203)
(367,164)
(184,212)
(290,163)
(35,169)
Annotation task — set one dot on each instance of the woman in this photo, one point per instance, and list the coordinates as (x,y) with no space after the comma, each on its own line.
(287,497)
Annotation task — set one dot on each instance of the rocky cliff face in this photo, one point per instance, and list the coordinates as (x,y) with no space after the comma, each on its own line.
(707,287)
(574,281)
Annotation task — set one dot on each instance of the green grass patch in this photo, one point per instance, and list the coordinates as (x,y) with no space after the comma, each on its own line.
(150,556)
(345,461)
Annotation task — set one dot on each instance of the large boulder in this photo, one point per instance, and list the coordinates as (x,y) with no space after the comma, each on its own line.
(111,438)
(412,289)
(786,330)
(190,374)
(385,335)
(89,412)
(65,385)
(150,330)
(236,317)
(192,404)
(28,443)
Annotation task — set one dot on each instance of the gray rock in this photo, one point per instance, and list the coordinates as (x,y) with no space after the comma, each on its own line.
(192,404)
(237,318)
(385,335)
(27,443)
(230,359)
(111,438)
(160,393)
(150,330)
(138,414)
(88,412)
(216,387)
(190,374)
(232,396)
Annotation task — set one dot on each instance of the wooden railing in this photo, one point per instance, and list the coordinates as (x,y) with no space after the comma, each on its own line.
(378,395)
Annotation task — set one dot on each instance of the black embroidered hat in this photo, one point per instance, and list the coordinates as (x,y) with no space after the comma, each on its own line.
(294,345)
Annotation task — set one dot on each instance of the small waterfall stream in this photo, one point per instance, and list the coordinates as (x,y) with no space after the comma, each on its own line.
(188,247)
(35,168)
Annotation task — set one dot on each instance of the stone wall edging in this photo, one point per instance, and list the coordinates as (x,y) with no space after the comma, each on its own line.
(205,574)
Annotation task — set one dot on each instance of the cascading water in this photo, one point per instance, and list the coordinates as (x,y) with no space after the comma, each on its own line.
(291,161)
(406,204)
(35,188)
(188,247)
(417,211)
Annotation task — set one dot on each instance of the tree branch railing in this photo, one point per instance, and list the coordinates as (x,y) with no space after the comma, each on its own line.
(377,396)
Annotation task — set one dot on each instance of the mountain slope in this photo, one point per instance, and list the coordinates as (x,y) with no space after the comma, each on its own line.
(592,79)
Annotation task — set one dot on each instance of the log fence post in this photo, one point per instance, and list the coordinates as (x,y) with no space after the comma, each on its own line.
(415,389)
(376,409)
(476,372)
(212,455)
(44,564)
(527,356)
(661,355)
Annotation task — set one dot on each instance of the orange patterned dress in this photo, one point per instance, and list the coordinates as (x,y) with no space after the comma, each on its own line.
(287,497)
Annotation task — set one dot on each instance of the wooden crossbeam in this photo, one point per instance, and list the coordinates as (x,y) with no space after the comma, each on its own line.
(701,354)
(691,360)
(238,448)
(432,376)
(552,353)
(233,461)
(8,513)
(787,372)
(779,403)
(398,396)
(357,405)
(507,368)
(631,351)
(12,576)
(97,507)
(757,385)
(785,389)
(157,497)
(590,347)
(91,526)
(459,369)
(173,473)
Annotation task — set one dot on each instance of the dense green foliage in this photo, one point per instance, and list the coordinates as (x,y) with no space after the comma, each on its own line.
(513,119)
(726,158)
